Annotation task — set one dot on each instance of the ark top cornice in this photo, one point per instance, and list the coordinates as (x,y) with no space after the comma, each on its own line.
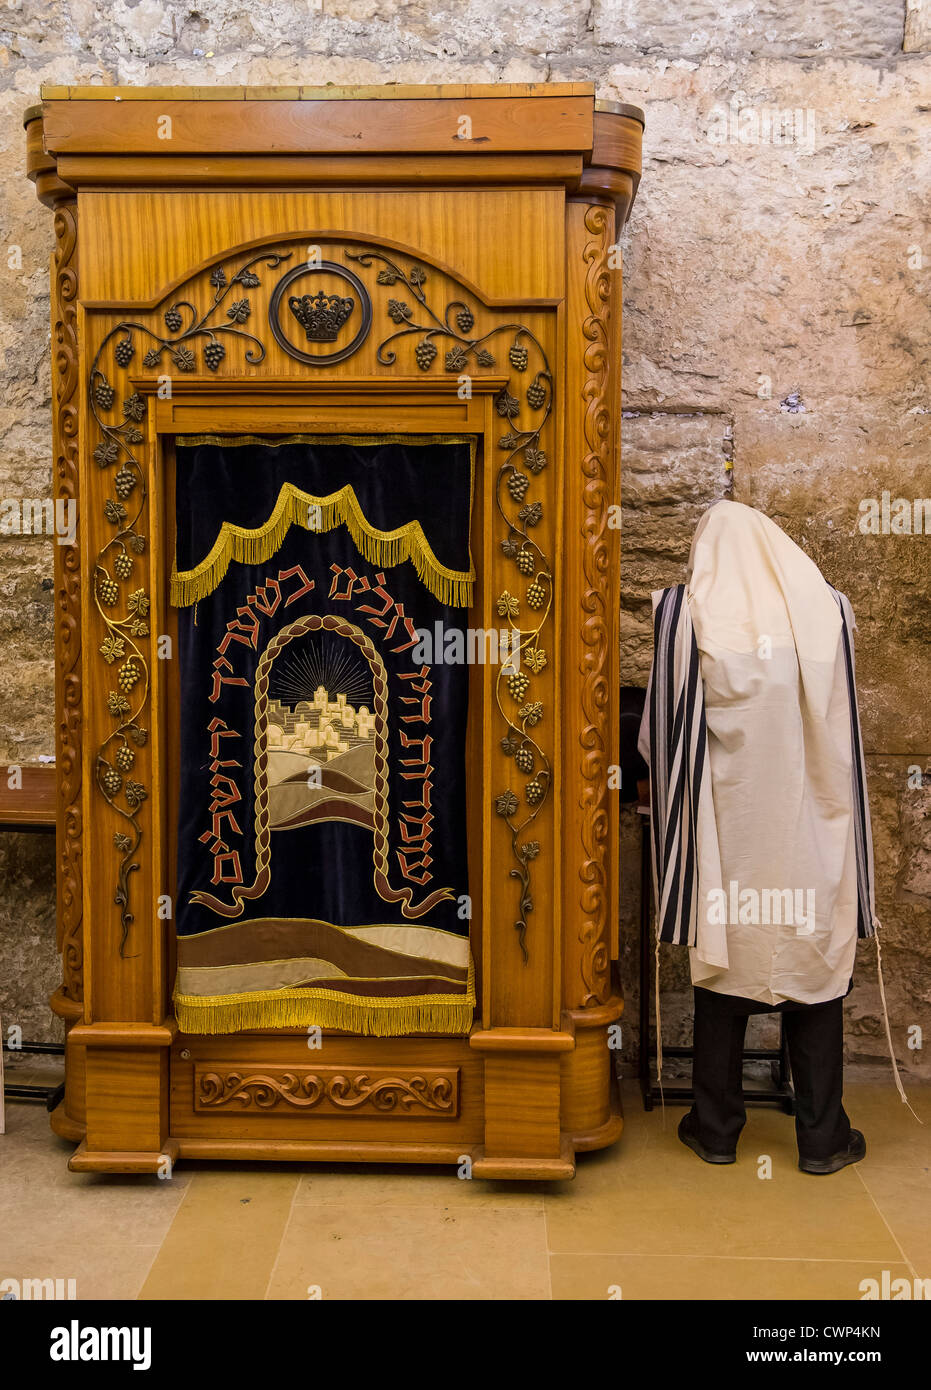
(448,135)
(388,91)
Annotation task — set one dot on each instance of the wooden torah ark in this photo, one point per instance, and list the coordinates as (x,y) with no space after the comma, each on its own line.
(490,215)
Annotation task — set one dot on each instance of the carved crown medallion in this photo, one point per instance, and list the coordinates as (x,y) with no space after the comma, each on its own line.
(321,315)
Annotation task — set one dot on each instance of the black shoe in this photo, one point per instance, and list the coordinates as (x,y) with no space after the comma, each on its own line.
(695,1144)
(855,1150)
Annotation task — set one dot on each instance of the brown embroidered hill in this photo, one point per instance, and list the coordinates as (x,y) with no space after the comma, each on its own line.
(302,789)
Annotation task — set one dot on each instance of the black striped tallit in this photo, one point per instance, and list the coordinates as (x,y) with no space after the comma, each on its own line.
(678,761)
(866,910)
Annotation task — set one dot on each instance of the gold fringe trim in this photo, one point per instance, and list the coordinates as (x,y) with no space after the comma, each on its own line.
(381,548)
(327,1008)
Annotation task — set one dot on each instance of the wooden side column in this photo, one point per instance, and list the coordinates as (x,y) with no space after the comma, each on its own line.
(590,615)
(123,1033)
(68,1001)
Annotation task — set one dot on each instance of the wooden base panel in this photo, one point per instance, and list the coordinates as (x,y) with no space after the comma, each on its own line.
(492,1101)
(85,1160)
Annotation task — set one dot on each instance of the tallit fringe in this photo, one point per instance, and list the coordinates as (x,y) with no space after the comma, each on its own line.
(388,1018)
(882,994)
(659,1033)
(381,548)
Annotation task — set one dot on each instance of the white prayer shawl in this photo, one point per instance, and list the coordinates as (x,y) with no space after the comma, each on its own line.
(762,850)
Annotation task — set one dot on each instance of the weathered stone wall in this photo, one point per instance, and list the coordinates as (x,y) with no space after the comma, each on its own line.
(776,339)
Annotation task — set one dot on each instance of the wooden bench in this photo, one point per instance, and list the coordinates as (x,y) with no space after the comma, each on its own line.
(29,803)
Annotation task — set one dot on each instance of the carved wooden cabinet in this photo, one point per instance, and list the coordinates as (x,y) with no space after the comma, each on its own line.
(475,229)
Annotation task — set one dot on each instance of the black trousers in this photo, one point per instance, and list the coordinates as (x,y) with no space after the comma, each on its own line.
(815,1038)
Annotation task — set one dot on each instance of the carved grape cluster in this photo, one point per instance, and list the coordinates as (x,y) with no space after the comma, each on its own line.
(424,353)
(129,674)
(214,354)
(536,395)
(125,757)
(518,684)
(108,591)
(524,758)
(124,481)
(111,781)
(534,791)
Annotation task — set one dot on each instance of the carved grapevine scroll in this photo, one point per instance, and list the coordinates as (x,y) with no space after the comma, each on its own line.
(123,605)
(520,514)
(596,629)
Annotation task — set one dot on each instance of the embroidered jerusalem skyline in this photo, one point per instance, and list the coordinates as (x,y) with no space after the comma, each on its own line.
(322,726)
(321,762)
